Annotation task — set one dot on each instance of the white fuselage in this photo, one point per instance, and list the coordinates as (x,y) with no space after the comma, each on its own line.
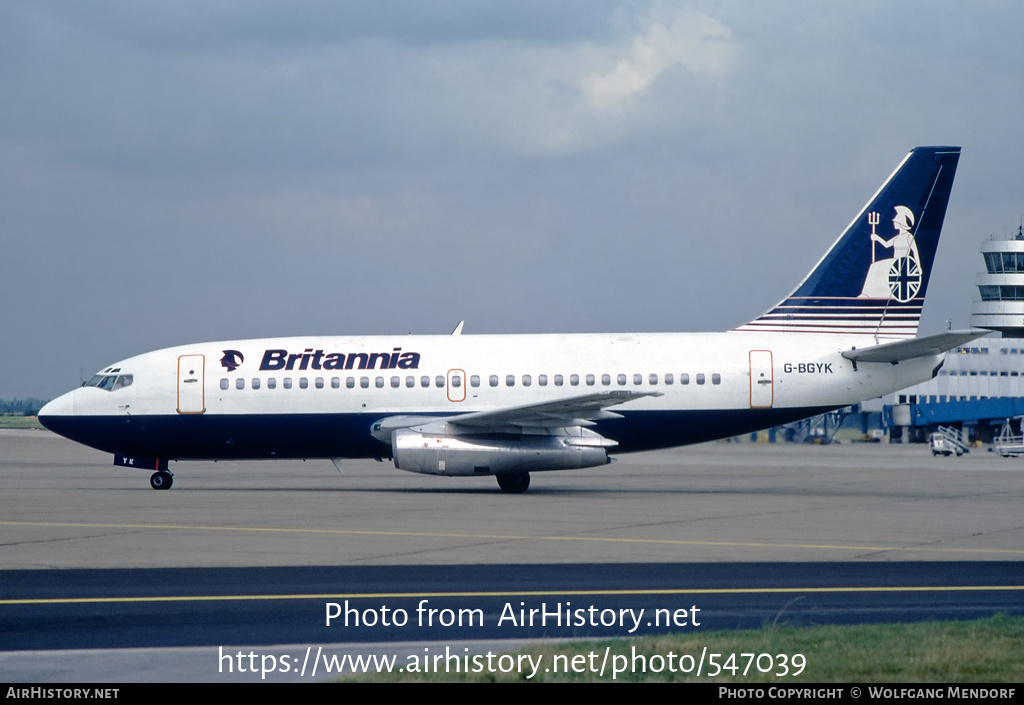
(700,385)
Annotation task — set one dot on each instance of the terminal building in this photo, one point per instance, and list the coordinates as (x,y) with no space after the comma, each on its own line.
(981,385)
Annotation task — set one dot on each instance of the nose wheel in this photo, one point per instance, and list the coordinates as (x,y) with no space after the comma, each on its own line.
(161,480)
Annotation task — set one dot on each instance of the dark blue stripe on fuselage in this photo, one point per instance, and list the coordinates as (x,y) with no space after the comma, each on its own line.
(239,437)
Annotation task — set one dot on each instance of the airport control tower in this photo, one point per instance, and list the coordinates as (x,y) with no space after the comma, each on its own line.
(981,384)
(1002,287)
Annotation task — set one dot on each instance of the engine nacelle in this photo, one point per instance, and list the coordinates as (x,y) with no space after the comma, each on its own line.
(488,455)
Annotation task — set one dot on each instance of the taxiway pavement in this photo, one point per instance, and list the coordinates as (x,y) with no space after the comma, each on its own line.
(65,506)
(71,523)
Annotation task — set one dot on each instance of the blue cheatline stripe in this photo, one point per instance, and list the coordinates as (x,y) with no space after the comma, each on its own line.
(341,435)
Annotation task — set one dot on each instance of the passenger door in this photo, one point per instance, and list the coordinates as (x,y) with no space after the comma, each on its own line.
(762,387)
(191,384)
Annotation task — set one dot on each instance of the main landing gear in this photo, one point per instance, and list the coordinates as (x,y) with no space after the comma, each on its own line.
(513,482)
(161,480)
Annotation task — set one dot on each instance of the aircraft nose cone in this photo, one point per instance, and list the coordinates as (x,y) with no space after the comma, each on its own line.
(63,405)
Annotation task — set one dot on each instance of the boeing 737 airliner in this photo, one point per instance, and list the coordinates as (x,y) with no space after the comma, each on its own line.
(507,405)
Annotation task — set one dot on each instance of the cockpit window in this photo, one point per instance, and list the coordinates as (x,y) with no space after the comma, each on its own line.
(110,382)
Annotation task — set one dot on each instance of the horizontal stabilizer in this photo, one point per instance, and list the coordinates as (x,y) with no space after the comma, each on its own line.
(915,347)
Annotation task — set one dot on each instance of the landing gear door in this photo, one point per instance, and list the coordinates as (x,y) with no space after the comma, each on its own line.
(191,384)
(762,387)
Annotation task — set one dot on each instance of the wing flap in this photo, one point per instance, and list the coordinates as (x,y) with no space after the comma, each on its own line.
(574,411)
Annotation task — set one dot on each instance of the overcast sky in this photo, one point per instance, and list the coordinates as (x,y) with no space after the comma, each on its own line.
(189,171)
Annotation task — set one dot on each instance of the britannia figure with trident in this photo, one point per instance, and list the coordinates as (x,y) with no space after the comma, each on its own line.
(899,276)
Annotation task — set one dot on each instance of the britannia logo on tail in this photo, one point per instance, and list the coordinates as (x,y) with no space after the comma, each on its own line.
(899,276)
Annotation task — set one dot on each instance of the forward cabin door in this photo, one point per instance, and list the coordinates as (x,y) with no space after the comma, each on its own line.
(762,387)
(191,384)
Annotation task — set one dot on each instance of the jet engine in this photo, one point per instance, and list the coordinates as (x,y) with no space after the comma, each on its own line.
(496,454)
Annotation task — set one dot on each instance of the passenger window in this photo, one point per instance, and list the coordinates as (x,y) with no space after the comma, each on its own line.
(319,382)
(639,379)
(542,380)
(424,381)
(700,378)
(287,382)
(574,380)
(684,378)
(364,382)
(510,380)
(590,380)
(621,379)
(379,381)
(653,379)
(606,380)
(396,382)
(474,381)
(350,382)
(239,383)
(255,382)
(410,382)
(558,380)
(456,381)
(493,380)
(272,383)
(335,383)
(439,381)
(224,384)
(716,378)
(527,380)
(303,383)
(670,378)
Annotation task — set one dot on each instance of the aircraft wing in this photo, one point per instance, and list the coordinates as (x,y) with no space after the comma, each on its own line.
(574,411)
(915,347)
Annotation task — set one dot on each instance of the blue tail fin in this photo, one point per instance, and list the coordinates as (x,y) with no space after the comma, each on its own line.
(873,280)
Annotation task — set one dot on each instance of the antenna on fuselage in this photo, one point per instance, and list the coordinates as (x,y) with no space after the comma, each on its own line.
(458,328)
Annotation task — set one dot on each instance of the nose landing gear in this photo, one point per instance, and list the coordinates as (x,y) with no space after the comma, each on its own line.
(161,480)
